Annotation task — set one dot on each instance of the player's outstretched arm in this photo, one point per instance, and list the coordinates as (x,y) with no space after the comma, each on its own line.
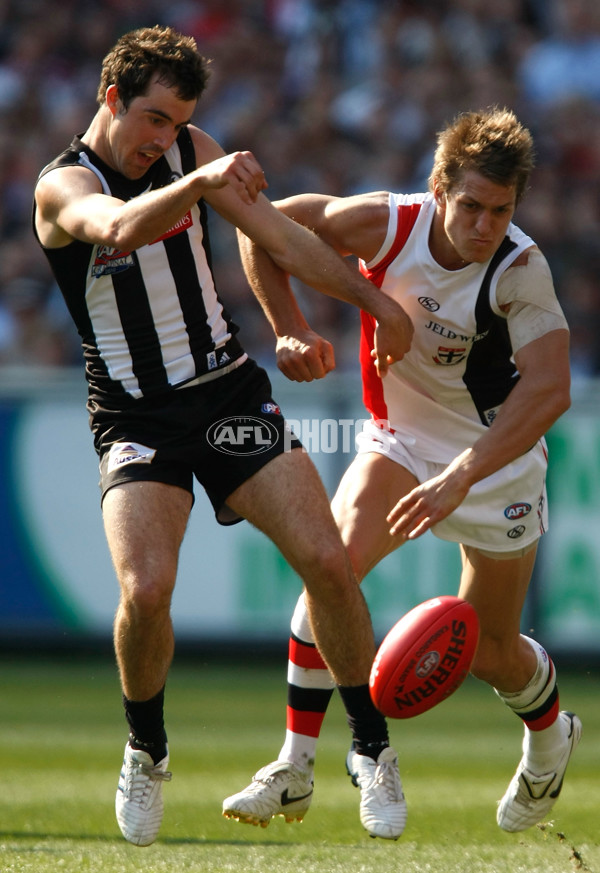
(318,261)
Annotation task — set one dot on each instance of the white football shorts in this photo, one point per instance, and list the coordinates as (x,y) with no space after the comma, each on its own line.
(505,512)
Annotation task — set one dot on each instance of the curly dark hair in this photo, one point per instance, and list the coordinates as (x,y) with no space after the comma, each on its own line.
(138,55)
(493,142)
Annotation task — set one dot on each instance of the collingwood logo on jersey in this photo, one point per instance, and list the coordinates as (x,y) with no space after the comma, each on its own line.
(109,261)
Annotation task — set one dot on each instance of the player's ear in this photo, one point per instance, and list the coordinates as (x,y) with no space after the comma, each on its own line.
(112,100)
(439,193)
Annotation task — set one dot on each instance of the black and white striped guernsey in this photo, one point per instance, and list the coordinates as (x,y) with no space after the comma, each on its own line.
(150,320)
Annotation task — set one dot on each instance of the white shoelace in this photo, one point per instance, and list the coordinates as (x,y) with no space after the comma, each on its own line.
(141,777)
(386,777)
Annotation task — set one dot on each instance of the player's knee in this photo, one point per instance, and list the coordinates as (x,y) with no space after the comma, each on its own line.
(326,563)
(358,561)
(146,596)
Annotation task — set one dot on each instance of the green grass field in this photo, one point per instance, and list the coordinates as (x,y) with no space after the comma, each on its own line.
(61,738)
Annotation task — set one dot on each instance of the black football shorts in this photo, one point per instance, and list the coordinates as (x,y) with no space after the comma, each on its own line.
(221,432)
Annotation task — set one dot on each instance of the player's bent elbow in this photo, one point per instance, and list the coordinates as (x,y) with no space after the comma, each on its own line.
(551,400)
(561,401)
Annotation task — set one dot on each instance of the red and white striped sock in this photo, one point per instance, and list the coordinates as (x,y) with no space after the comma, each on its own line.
(538,706)
(310,686)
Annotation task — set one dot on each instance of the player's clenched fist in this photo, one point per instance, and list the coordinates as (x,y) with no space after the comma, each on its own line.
(304,357)
(241,170)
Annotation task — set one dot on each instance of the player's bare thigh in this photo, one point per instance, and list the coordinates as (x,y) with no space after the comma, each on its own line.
(145,523)
(369,489)
(286,499)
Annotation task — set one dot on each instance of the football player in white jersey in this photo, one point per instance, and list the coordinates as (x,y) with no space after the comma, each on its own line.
(455,441)
(120,215)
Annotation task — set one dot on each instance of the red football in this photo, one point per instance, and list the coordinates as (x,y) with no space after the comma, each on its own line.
(425,657)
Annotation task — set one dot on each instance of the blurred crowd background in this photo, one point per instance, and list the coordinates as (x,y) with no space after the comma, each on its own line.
(335,96)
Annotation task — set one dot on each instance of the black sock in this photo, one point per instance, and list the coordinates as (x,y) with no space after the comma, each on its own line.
(368,726)
(147,728)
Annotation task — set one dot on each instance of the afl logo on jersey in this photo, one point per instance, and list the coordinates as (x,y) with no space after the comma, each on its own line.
(517,510)
(242,435)
(429,304)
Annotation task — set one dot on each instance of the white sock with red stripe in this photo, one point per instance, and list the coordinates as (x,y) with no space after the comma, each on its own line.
(310,686)
(538,706)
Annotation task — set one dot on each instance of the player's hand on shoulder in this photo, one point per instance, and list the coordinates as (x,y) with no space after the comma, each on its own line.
(305,356)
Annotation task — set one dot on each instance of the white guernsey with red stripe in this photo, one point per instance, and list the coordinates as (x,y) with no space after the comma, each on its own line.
(448,388)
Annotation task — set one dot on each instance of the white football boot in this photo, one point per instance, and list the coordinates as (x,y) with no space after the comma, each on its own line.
(530,796)
(139,800)
(382,805)
(280,788)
